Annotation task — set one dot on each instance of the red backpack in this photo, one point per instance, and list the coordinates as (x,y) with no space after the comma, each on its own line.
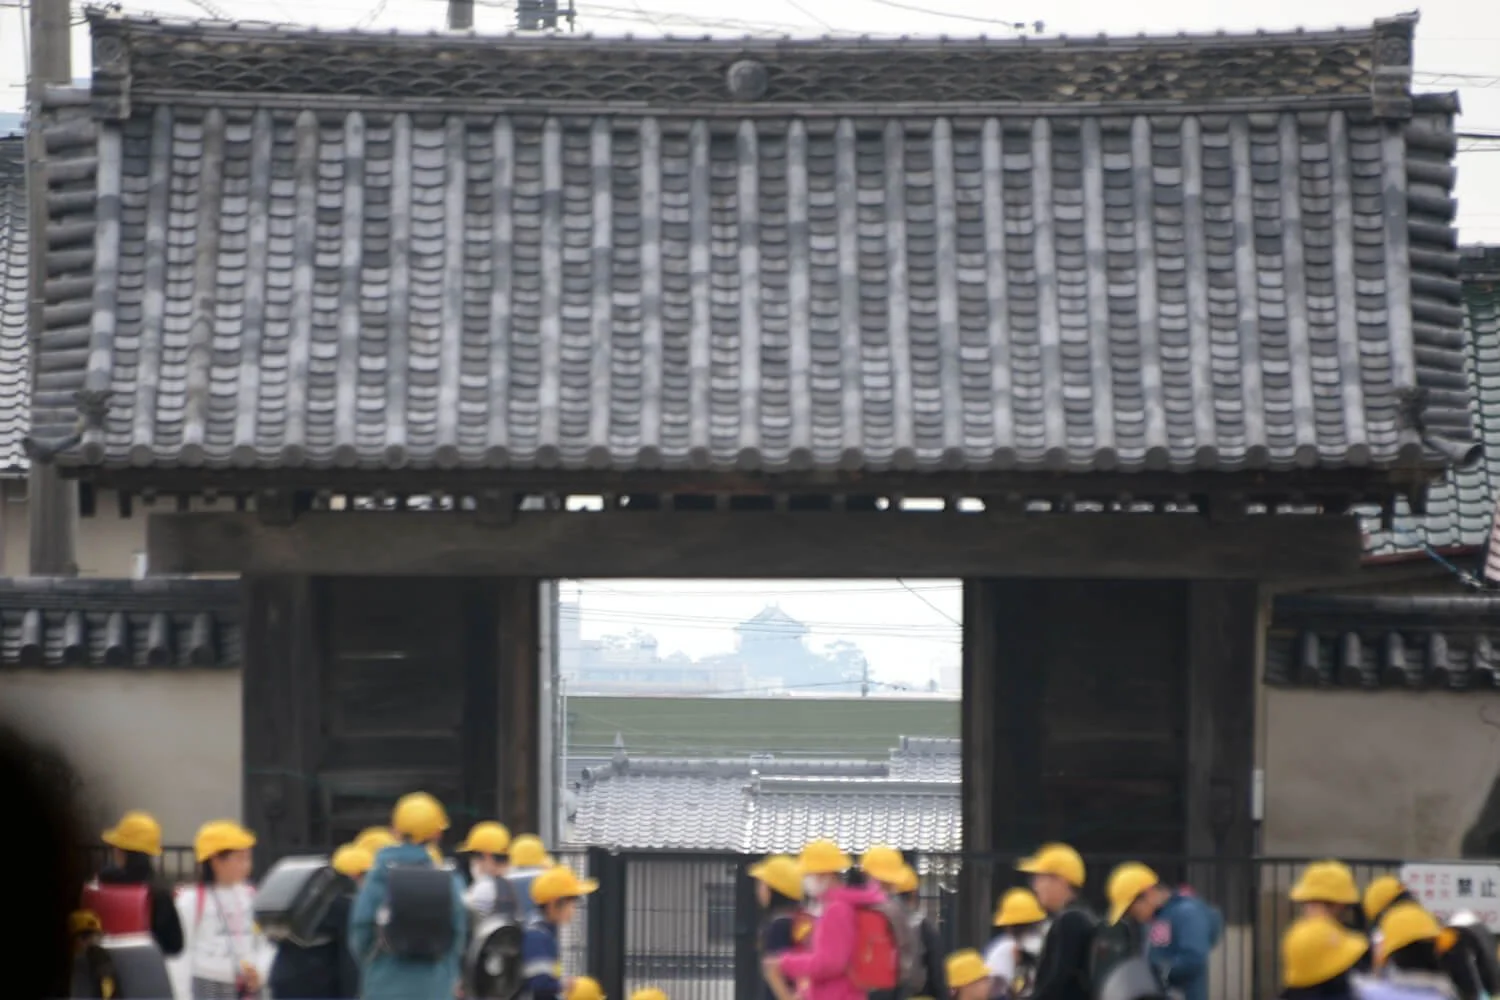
(887,949)
(121,908)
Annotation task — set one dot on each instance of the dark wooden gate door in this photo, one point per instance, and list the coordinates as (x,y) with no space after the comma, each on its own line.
(408,700)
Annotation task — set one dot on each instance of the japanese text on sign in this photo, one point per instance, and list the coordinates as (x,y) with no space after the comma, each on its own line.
(1446,889)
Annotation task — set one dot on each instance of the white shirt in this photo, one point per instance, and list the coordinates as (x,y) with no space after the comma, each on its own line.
(481,894)
(1000,958)
(219,933)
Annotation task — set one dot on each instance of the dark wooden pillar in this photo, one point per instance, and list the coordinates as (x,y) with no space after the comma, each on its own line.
(520,709)
(1223,648)
(280,712)
(976,884)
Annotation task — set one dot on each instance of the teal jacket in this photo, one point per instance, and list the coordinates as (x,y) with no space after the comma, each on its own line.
(383,975)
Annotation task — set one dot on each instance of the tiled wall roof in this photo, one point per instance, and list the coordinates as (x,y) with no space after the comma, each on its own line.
(1369,643)
(771,804)
(50,623)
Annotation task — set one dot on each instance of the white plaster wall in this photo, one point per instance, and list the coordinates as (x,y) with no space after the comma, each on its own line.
(1387,774)
(107,543)
(167,741)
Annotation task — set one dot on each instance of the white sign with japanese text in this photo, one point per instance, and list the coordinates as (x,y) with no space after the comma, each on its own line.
(1446,889)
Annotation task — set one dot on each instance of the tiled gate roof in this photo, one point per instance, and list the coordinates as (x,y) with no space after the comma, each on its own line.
(1461,509)
(775,257)
(15,371)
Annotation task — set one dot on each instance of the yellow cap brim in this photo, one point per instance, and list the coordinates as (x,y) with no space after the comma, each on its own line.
(113,839)
(1117,912)
(587,886)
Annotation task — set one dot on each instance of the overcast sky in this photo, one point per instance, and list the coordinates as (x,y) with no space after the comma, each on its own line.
(905,635)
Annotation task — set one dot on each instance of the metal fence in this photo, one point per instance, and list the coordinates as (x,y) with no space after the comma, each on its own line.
(687,922)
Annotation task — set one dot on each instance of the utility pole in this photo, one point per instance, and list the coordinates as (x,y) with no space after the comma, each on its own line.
(52,502)
(460,15)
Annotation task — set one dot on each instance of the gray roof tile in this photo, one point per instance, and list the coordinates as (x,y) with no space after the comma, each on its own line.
(15,370)
(152,623)
(768,804)
(1370,643)
(813,284)
(1461,508)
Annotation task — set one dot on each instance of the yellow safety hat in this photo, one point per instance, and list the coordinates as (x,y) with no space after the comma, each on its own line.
(822,857)
(560,883)
(1058,860)
(584,988)
(1017,908)
(780,873)
(1126,883)
(375,840)
(352,860)
(527,851)
(219,836)
(1406,924)
(907,880)
(486,838)
(649,993)
(419,816)
(137,831)
(965,968)
(1380,894)
(1326,882)
(882,863)
(1317,949)
(85,922)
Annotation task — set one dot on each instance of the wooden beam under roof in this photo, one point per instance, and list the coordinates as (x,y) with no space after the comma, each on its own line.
(758,544)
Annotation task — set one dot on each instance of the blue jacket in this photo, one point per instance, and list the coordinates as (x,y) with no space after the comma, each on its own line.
(541,962)
(1179,940)
(385,976)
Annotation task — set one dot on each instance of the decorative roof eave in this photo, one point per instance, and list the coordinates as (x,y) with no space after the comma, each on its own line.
(1361,642)
(152,623)
(153,60)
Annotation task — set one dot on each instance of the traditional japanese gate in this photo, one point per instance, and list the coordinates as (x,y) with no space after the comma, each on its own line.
(1145,317)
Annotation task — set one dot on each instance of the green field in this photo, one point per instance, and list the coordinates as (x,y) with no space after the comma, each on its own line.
(851,728)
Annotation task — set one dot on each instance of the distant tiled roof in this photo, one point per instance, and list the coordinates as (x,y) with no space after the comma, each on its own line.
(164,623)
(15,371)
(927,758)
(1461,509)
(768,804)
(343,251)
(1362,642)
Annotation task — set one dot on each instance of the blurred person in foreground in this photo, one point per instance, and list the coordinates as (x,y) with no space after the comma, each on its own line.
(46,883)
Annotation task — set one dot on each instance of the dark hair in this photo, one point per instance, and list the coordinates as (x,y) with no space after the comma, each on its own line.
(855,877)
(47,879)
(779,901)
(138,867)
(1419,956)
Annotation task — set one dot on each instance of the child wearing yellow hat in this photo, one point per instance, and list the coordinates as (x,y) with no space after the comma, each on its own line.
(778,890)
(968,976)
(1011,955)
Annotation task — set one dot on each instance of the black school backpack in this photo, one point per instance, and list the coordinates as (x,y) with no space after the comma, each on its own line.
(1110,946)
(417,917)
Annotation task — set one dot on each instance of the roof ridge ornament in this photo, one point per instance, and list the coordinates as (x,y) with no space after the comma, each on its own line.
(1391,68)
(747,80)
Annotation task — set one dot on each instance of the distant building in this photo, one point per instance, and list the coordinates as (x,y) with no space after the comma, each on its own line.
(772,657)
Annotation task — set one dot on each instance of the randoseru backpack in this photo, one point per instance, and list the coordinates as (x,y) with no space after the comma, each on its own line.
(1111,945)
(416,921)
(887,949)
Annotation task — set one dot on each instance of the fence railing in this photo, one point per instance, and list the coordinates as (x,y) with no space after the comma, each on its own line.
(687,921)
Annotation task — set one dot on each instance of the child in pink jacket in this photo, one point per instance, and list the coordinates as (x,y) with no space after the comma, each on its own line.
(823,969)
